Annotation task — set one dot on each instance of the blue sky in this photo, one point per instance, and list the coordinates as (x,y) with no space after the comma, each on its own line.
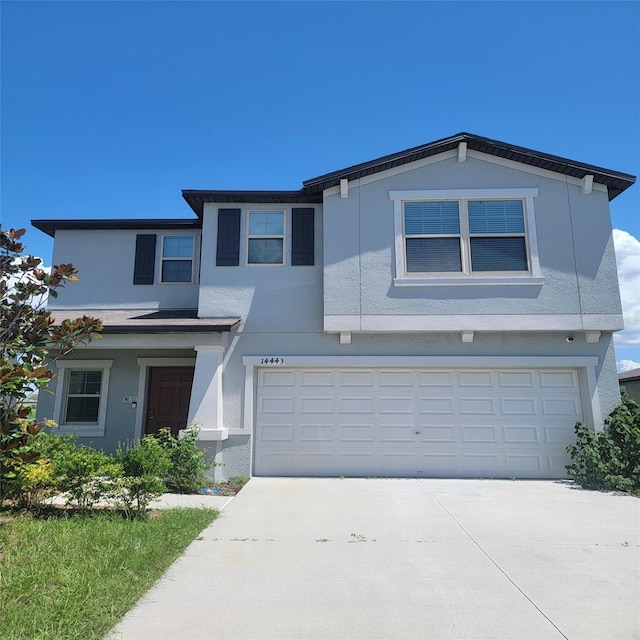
(109,109)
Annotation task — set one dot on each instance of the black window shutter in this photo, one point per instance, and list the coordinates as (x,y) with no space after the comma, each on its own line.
(145,261)
(302,236)
(228,252)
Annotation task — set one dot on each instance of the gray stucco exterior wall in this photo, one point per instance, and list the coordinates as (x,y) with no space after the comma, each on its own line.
(579,275)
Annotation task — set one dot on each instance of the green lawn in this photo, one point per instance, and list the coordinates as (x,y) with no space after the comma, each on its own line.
(65,578)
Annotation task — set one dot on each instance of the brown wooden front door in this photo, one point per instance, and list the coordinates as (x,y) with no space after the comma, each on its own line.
(168,398)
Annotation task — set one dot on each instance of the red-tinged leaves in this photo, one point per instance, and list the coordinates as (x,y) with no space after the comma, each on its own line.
(29,343)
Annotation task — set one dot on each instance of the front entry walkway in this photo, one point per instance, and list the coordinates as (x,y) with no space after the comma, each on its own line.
(359,559)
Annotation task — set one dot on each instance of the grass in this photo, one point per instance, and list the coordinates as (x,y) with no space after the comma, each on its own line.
(74,577)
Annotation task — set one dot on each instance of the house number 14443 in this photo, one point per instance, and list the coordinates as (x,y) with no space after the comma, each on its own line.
(272,360)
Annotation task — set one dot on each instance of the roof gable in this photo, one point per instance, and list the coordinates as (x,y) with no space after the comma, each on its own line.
(615,181)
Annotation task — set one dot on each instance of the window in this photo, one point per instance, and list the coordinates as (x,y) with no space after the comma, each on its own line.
(177,259)
(484,236)
(266,237)
(81,396)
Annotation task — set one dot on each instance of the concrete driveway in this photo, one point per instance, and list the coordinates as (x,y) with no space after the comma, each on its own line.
(402,559)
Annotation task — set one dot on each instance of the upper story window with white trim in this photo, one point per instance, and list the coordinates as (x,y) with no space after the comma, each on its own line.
(177,259)
(266,237)
(465,237)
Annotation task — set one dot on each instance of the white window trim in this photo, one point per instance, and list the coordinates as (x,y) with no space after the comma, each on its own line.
(284,236)
(59,405)
(403,278)
(193,257)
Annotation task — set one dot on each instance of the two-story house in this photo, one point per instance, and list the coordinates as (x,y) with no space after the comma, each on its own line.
(446,310)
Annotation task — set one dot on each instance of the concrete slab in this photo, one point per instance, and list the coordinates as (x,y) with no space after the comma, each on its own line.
(367,559)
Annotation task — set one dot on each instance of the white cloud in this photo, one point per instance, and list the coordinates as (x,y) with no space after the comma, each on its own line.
(627,365)
(628,258)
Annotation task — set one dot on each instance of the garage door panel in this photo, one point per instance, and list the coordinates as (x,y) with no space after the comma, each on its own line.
(476,434)
(397,405)
(356,463)
(317,405)
(396,378)
(397,433)
(558,379)
(396,464)
(435,405)
(355,378)
(518,406)
(317,433)
(516,379)
(476,406)
(316,379)
(524,464)
(277,405)
(356,433)
(438,433)
(277,433)
(558,434)
(438,464)
(521,434)
(364,404)
(560,407)
(278,378)
(476,379)
(435,378)
(415,422)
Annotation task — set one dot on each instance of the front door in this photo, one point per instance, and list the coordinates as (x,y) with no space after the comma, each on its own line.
(168,398)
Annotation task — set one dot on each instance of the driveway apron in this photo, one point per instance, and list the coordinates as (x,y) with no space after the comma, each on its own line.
(365,559)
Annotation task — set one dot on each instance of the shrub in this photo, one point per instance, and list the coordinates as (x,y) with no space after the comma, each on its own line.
(89,476)
(36,482)
(188,469)
(609,459)
(145,464)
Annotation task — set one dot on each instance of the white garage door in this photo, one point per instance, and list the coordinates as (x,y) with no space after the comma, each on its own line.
(497,423)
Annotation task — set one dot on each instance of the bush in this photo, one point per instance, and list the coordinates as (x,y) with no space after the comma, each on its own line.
(36,483)
(610,459)
(188,469)
(145,464)
(89,476)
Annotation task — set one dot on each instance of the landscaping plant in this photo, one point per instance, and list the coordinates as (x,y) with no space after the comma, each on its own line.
(88,476)
(188,469)
(145,464)
(609,459)
(29,343)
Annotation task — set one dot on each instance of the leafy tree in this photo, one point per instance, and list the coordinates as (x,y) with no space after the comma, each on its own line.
(29,343)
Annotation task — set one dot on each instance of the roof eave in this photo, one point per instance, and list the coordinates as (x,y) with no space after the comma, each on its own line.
(197,198)
(615,181)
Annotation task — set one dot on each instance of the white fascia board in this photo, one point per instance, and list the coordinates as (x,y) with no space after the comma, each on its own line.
(474,322)
(537,171)
(431,361)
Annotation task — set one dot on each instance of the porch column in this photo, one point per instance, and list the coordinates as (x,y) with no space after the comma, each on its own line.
(205,408)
